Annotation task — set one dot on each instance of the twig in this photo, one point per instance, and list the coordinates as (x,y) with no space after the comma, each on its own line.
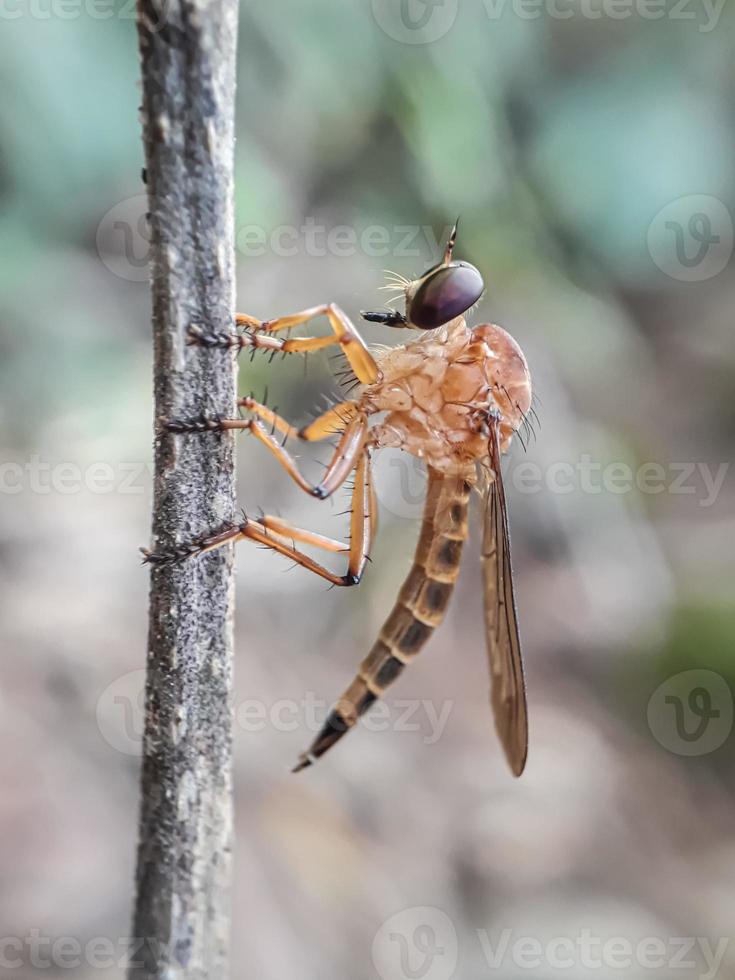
(181,920)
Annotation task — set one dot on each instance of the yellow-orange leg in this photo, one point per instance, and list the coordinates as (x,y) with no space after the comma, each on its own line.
(281,535)
(349,448)
(331,422)
(259,336)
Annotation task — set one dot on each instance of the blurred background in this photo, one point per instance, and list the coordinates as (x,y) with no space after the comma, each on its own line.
(588,146)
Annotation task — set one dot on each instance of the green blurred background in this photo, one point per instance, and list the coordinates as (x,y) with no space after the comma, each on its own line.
(588,147)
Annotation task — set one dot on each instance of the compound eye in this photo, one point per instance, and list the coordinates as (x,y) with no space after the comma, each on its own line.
(444,294)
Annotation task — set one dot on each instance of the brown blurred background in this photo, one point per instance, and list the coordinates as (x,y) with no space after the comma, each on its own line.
(588,146)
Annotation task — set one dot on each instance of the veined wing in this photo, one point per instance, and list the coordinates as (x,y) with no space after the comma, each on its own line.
(508,696)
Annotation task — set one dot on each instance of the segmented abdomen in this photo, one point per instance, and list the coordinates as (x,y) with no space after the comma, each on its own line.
(420,608)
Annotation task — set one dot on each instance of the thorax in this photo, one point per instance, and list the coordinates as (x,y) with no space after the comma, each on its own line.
(433,389)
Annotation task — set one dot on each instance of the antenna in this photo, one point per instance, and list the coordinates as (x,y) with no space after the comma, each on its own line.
(450,243)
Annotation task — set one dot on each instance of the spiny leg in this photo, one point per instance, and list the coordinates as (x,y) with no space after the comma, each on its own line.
(280,536)
(329,423)
(259,335)
(276,422)
(334,420)
(349,447)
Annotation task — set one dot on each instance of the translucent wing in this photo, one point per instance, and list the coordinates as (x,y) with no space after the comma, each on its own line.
(501,626)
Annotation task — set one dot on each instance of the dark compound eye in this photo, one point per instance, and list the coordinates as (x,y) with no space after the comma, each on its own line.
(444,294)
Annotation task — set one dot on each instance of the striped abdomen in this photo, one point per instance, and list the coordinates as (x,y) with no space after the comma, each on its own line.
(420,608)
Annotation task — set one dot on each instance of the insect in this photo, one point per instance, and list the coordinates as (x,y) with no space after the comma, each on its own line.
(455,397)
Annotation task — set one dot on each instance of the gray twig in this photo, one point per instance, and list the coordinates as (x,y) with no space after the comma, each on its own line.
(181,920)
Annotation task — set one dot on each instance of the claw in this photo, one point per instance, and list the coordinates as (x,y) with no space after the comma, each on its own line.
(192,548)
(161,558)
(198,336)
(204,423)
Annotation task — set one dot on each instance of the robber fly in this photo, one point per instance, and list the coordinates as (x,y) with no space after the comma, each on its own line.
(454,398)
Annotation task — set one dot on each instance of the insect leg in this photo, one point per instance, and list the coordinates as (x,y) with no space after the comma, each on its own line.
(349,448)
(362,521)
(259,335)
(271,418)
(259,532)
(280,536)
(333,420)
(329,423)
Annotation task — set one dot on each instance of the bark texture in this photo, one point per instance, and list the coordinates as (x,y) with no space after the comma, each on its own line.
(181,920)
